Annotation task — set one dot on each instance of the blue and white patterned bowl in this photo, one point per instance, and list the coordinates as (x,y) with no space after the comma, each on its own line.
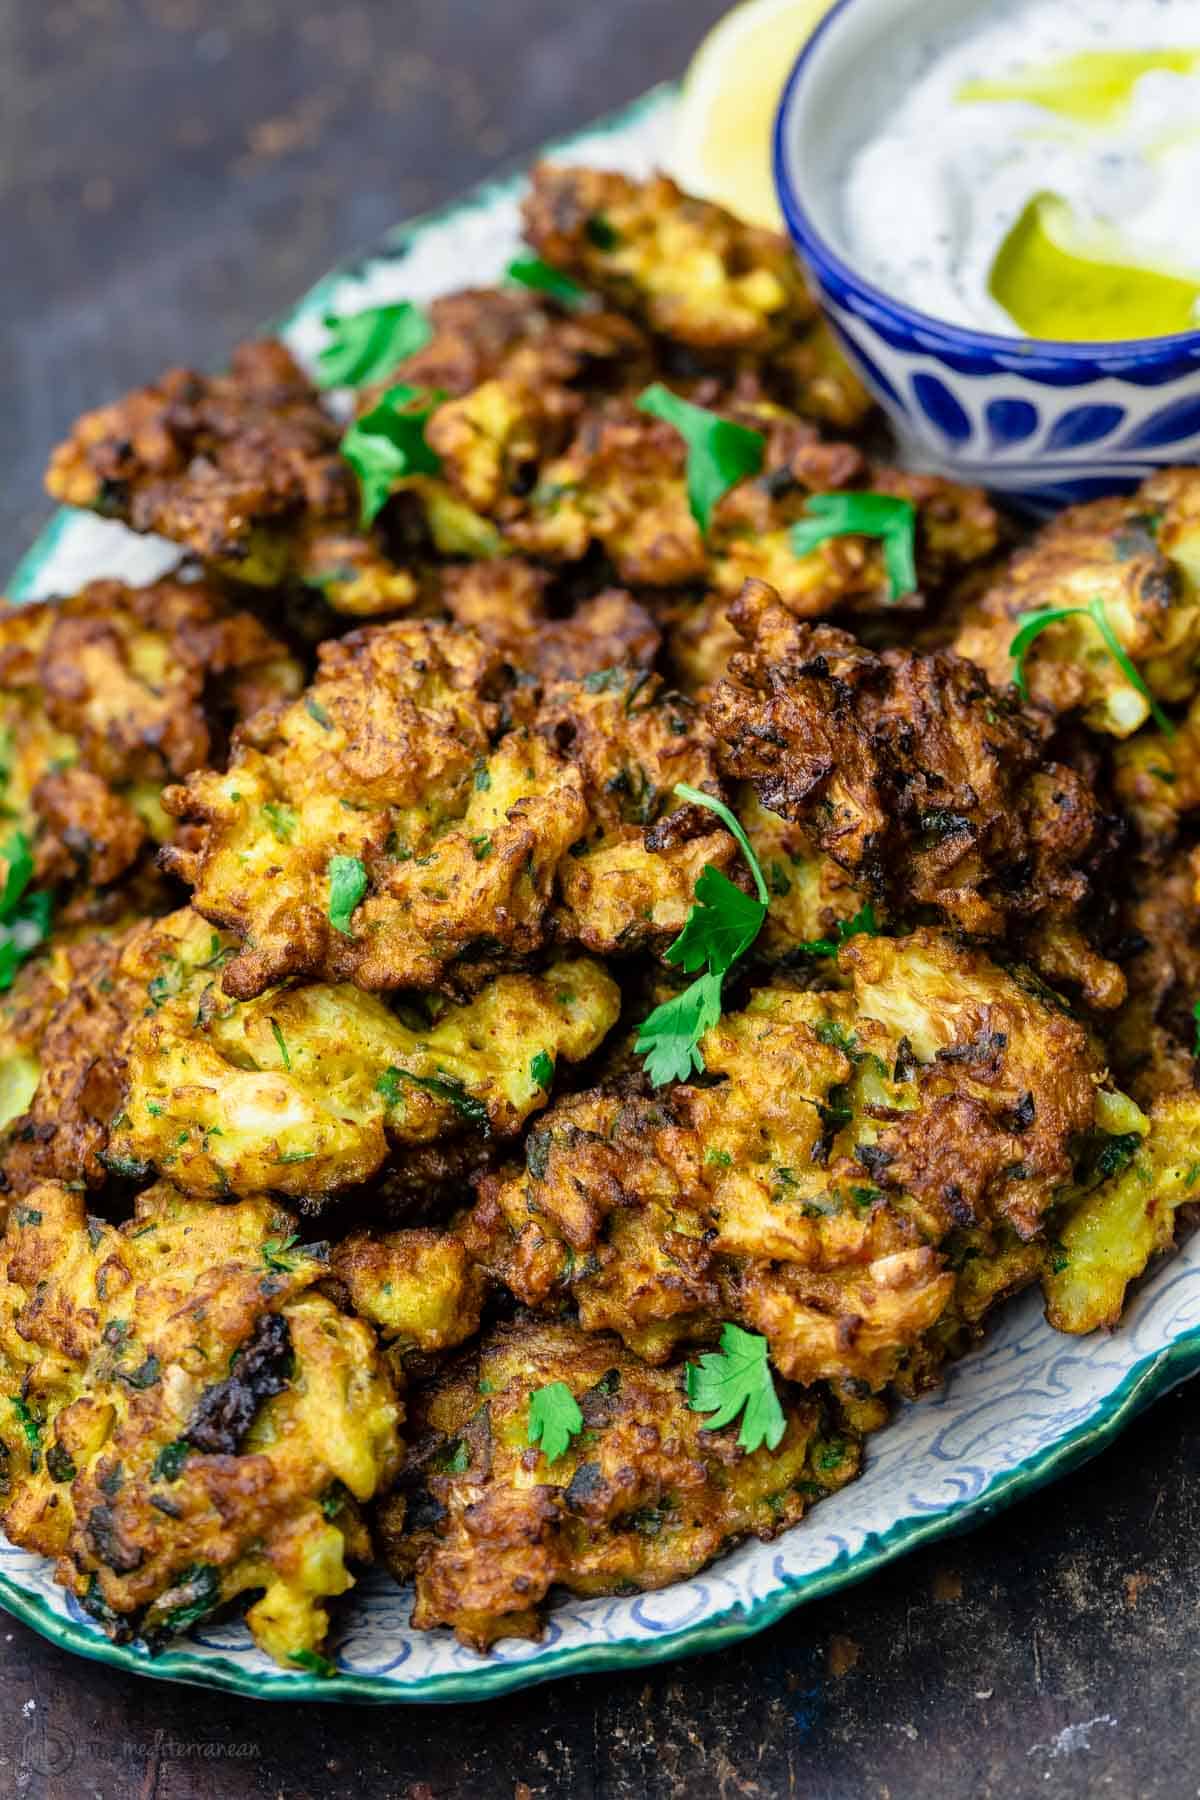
(1045,423)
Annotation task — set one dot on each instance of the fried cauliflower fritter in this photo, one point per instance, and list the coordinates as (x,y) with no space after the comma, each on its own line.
(393,762)
(302,1090)
(692,272)
(61,1026)
(645,1495)
(630,877)
(188,1419)
(1156,779)
(504,603)
(1152,1038)
(621,485)
(814,1188)
(810,893)
(919,779)
(106,695)
(513,333)
(1139,555)
(227,466)
(419,1288)
(1107,1238)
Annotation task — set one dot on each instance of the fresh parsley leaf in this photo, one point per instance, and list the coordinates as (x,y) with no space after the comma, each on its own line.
(170,1460)
(669,1037)
(719,453)
(738,1379)
(388,443)
(347,885)
(729,819)
(532,272)
(720,928)
(554,1419)
(29,1425)
(863,924)
(366,346)
(201,1584)
(277,1034)
(893,521)
(274,1253)
(282,819)
(1196,1017)
(443,1087)
(541,1069)
(18,860)
(314,1662)
(24,916)
(1034,623)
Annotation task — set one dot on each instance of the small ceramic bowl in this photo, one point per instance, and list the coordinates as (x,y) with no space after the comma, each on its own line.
(1046,423)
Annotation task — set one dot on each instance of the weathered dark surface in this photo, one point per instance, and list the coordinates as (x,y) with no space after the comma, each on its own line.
(172,172)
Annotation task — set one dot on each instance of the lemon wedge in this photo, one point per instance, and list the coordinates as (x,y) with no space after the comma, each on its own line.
(722,146)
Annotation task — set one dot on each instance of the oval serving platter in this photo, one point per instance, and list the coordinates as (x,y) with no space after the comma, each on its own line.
(1024,1408)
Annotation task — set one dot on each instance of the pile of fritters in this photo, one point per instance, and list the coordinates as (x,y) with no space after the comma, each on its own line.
(343,866)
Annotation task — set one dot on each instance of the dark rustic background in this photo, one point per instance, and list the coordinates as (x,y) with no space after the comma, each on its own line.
(171,173)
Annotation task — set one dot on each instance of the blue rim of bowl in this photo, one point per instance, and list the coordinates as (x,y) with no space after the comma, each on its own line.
(1147,1379)
(956,339)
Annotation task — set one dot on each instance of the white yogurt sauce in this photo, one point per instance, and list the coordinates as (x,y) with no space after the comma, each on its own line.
(928,200)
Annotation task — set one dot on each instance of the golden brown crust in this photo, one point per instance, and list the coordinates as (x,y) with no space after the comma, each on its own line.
(193,1420)
(813,1191)
(1139,555)
(504,603)
(909,770)
(224,465)
(645,1496)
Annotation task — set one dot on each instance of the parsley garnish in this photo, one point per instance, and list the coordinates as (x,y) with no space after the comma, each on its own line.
(541,1069)
(532,272)
(720,928)
(863,924)
(1196,1017)
(314,1662)
(389,442)
(24,917)
(442,1087)
(719,453)
(1037,622)
(883,516)
(347,885)
(282,820)
(737,1379)
(366,346)
(282,1043)
(29,1425)
(170,1460)
(554,1419)
(274,1252)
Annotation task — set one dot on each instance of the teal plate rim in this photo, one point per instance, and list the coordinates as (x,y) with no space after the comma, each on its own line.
(1145,1381)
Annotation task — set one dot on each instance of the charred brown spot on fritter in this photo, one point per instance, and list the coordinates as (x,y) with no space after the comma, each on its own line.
(505,604)
(260,1369)
(909,770)
(221,464)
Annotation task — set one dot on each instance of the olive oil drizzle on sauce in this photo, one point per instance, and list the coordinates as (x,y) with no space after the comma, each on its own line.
(1054,275)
